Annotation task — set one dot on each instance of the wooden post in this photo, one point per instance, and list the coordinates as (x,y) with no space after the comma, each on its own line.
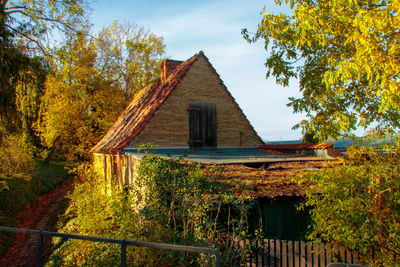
(297,256)
(119,172)
(127,167)
(40,250)
(309,254)
(290,253)
(303,258)
(278,252)
(322,255)
(105,173)
(328,253)
(342,254)
(348,256)
(316,253)
(284,253)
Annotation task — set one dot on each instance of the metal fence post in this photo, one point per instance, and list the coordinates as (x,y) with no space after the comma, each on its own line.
(217,259)
(123,253)
(40,249)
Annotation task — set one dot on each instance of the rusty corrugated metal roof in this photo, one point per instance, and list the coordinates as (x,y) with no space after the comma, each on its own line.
(274,181)
(296,146)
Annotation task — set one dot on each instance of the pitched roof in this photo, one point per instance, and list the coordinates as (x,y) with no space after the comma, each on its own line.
(149,99)
(142,108)
(296,146)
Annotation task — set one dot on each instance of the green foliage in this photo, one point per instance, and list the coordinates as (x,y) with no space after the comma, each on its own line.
(16,157)
(18,190)
(94,79)
(129,55)
(25,27)
(345,55)
(357,205)
(170,202)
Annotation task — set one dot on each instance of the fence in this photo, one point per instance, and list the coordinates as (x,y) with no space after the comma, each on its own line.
(283,253)
(122,242)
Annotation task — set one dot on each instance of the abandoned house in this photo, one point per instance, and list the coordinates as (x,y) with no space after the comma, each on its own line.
(187,111)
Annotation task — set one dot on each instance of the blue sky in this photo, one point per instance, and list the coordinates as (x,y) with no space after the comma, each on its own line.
(214,27)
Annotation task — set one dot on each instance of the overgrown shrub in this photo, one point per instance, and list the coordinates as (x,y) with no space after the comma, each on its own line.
(16,157)
(181,207)
(357,205)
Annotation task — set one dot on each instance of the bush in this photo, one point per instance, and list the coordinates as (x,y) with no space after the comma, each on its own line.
(178,206)
(16,157)
(357,205)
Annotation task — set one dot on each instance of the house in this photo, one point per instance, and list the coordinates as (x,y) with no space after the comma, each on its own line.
(187,108)
(188,112)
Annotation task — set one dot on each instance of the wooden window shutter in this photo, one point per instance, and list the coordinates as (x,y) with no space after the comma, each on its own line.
(202,125)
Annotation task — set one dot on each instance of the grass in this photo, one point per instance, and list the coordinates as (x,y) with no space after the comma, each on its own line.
(16,192)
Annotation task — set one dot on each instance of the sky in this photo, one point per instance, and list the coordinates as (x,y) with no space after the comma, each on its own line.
(215,28)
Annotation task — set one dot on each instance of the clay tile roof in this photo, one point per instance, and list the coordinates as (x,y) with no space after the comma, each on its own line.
(167,67)
(296,146)
(144,105)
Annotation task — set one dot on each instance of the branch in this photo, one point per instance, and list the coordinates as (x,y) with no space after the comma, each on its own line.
(29,38)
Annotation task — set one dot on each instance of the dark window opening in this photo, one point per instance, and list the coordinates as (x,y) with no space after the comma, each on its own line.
(202,125)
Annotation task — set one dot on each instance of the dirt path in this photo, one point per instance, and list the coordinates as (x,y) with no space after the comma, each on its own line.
(40,214)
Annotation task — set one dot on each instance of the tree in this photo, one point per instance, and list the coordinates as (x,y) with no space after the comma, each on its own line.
(26,27)
(129,55)
(357,205)
(86,92)
(346,57)
(79,104)
(28,24)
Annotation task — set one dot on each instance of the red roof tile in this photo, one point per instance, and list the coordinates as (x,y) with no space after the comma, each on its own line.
(167,67)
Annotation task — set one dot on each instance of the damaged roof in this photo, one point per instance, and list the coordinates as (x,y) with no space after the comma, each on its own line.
(274,181)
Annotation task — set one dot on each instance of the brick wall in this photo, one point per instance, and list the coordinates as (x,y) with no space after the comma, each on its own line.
(169,127)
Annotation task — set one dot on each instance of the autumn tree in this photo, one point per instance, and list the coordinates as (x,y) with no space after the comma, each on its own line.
(78,103)
(86,92)
(26,31)
(346,57)
(129,55)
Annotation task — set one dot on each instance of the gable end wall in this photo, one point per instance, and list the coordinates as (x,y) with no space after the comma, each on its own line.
(169,126)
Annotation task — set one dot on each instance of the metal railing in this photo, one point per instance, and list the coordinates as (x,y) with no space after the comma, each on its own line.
(122,242)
